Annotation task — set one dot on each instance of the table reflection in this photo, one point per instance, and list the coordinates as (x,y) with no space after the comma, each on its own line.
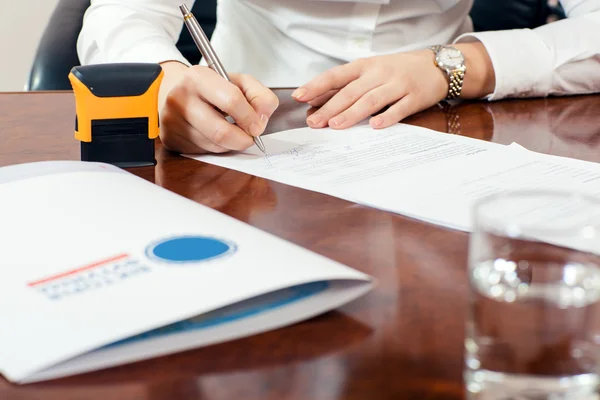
(552,126)
(567,127)
(240,195)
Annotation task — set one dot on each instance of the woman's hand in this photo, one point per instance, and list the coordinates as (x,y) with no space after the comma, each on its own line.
(406,82)
(194,102)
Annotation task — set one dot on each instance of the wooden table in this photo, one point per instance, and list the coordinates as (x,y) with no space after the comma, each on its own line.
(401,341)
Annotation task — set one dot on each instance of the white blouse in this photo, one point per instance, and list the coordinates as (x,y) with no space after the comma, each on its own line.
(285,43)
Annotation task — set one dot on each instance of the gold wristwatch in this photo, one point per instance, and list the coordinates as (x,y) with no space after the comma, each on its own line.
(451,60)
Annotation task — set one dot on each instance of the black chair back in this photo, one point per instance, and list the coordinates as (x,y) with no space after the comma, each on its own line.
(205,12)
(495,15)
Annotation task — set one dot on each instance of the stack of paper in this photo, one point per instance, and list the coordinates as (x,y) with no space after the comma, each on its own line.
(101,268)
(413,171)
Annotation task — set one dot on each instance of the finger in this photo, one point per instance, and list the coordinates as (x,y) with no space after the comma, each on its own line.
(214,127)
(368,104)
(227,97)
(342,100)
(405,107)
(261,98)
(187,139)
(324,98)
(333,78)
(311,111)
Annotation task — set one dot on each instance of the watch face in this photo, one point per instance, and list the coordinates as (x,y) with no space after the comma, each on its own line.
(449,57)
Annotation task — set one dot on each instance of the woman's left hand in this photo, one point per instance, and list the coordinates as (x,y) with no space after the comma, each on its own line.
(406,82)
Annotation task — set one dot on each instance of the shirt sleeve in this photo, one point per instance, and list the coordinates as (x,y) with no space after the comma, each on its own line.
(559,58)
(131,31)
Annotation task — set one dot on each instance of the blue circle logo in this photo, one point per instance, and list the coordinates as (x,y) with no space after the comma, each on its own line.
(189,249)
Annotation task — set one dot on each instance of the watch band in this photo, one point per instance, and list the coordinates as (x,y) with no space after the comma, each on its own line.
(456,83)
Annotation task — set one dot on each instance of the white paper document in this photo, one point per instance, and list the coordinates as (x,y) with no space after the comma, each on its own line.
(101,268)
(413,171)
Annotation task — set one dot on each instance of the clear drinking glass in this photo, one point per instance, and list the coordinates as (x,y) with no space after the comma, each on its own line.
(533,326)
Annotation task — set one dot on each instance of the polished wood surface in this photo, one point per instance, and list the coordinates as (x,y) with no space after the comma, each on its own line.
(401,341)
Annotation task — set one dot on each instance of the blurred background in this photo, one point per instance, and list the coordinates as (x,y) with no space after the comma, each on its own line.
(19,36)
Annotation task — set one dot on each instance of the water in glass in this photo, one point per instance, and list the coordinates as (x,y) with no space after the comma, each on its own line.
(533,326)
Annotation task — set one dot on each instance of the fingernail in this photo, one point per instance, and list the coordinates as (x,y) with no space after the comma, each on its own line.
(255,129)
(299,93)
(337,121)
(377,121)
(264,118)
(315,119)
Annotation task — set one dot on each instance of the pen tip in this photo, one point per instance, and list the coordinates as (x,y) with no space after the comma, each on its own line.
(259,143)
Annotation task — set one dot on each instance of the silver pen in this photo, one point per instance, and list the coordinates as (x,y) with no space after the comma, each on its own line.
(209,54)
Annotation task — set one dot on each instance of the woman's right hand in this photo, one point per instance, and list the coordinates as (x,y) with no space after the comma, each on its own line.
(194,102)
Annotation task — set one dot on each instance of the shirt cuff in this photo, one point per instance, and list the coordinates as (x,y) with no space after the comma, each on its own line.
(522,62)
